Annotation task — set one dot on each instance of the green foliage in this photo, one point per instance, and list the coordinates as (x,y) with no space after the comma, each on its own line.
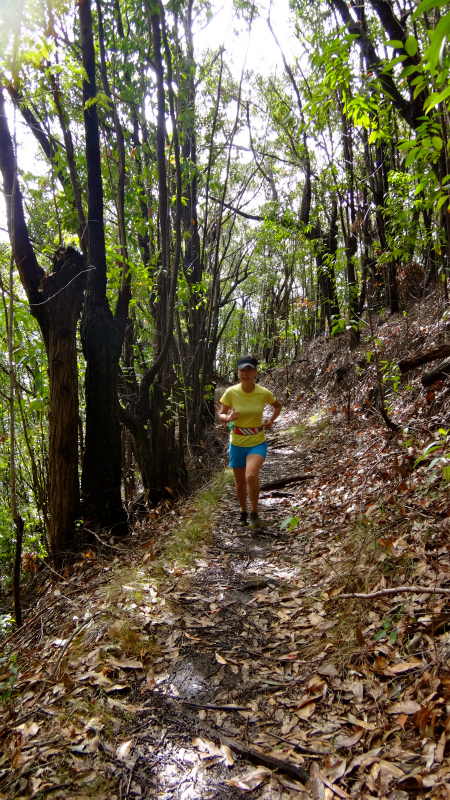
(6,622)
(391,375)
(9,669)
(441,444)
(387,629)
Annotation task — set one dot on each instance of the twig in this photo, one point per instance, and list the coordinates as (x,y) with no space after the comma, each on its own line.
(283,481)
(261,758)
(127,793)
(53,570)
(27,623)
(105,544)
(70,639)
(55,786)
(311,752)
(394,590)
(229,707)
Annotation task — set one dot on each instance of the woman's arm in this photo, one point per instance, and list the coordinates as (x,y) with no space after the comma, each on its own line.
(227,414)
(267,423)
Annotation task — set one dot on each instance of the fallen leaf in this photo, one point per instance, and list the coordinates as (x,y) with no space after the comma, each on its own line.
(207,747)
(94,725)
(334,768)
(404,707)
(363,759)
(28,730)
(439,754)
(130,663)
(306,711)
(315,784)
(220,659)
(124,750)
(250,780)
(361,723)
(349,741)
(360,637)
(403,666)
(227,754)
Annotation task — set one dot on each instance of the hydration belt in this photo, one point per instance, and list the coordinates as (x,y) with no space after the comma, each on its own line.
(246,431)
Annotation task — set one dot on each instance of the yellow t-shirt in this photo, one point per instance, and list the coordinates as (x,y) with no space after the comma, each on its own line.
(250,406)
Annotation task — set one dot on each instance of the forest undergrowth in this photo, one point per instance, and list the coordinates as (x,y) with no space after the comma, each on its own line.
(201,660)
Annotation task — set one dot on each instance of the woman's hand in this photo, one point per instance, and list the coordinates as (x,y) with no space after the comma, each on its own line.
(267,423)
(228,414)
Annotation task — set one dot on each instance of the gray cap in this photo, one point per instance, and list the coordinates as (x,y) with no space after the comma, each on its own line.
(247,361)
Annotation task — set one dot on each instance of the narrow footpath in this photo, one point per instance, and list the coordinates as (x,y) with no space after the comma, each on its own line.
(243,670)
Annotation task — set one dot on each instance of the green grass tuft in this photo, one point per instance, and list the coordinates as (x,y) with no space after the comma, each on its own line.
(198,524)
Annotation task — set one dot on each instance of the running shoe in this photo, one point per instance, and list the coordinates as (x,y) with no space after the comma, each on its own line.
(243,519)
(255,523)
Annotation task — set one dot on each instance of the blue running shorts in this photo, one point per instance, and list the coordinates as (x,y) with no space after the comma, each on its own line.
(238,455)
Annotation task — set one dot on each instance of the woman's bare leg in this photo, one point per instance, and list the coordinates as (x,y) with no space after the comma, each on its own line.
(253,465)
(240,486)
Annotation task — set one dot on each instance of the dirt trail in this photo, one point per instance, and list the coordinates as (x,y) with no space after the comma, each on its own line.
(243,671)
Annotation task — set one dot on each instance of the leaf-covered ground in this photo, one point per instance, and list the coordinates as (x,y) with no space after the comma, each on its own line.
(201,660)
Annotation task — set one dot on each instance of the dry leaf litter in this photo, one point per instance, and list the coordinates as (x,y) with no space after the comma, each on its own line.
(246,671)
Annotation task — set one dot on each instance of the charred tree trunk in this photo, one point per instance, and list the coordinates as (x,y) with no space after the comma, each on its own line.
(101,340)
(55,301)
(349,232)
(158,451)
(325,248)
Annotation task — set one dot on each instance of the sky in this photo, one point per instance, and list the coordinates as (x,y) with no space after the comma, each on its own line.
(263,56)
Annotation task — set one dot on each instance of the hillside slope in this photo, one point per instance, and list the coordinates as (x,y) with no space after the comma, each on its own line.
(198,660)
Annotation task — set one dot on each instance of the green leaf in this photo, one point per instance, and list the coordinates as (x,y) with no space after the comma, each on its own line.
(425,5)
(444,94)
(409,70)
(431,447)
(431,101)
(420,187)
(441,201)
(420,86)
(411,156)
(396,44)
(411,46)
(395,61)
(439,38)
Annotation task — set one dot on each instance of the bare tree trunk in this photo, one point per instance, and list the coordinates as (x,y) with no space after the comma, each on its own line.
(101,337)
(18,521)
(55,301)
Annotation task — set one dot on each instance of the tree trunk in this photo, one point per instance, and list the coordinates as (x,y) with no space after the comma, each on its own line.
(64,306)
(102,468)
(55,302)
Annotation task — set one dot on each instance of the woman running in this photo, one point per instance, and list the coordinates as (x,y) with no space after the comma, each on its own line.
(243,405)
